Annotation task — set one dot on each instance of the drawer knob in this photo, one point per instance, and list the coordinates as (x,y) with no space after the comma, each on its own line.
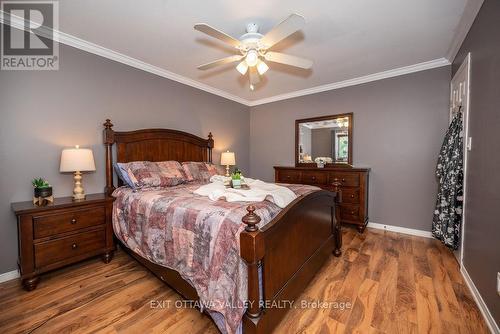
(288,176)
(74,246)
(352,212)
(313,177)
(352,196)
(343,180)
(73,221)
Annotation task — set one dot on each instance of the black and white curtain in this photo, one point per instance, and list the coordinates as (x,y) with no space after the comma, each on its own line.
(447,219)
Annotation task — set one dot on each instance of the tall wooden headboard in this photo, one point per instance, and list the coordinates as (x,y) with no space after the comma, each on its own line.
(153,145)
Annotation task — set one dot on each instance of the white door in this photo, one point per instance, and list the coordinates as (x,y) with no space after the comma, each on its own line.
(459,97)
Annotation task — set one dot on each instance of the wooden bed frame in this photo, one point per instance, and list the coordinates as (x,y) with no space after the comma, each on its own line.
(290,249)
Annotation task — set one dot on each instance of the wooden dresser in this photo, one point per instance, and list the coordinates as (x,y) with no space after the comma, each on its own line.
(62,233)
(353,182)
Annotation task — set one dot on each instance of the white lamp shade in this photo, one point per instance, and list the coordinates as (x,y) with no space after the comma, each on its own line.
(77,160)
(227,159)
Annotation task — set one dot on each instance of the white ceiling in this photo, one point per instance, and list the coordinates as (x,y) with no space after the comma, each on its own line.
(345,39)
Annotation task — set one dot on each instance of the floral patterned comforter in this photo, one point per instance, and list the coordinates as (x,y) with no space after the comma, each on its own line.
(195,236)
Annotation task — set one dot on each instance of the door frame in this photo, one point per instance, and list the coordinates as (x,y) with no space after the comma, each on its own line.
(465,66)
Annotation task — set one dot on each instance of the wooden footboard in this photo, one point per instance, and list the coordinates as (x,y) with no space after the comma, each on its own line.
(289,251)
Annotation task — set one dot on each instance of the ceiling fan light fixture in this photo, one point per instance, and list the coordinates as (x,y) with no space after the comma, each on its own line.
(262,67)
(242,67)
(252,58)
(254,48)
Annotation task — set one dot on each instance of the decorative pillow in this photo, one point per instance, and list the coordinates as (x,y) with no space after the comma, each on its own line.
(121,172)
(147,174)
(215,169)
(199,171)
(172,168)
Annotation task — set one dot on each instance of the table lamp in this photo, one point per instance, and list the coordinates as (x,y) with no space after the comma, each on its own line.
(227,158)
(77,160)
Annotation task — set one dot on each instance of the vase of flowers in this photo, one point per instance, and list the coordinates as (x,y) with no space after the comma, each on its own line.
(41,188)
(236,178)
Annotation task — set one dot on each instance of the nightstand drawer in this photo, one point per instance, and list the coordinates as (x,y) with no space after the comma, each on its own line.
(65,248)
(49,225)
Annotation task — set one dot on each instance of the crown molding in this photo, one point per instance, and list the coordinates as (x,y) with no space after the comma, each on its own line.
(356,81)
(471,9)
(84,45)
(96,49)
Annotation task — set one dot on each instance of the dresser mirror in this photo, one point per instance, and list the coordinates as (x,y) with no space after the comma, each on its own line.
(324,141)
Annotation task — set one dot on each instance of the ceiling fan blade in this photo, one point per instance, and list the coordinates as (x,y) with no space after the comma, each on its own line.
(254,76)
(211,31)
(282,58)
(284,29)
(222,61)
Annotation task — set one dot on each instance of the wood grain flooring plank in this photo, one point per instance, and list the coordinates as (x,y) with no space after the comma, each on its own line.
(447,301)
(385,315)
(427,307)
(349,289)
(364,306)
(406,307)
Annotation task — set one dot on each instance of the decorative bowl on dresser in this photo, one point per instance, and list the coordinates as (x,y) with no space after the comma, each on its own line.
(353,185)
(62,233)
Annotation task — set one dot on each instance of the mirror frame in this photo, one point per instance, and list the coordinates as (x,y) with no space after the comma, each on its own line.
(324,118)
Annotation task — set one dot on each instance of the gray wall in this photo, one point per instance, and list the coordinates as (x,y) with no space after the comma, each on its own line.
(482,223)
(42,112)
(399,124)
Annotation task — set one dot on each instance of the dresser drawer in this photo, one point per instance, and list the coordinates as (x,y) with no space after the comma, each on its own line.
(349,212)
(45,226)
(312,177)
(345,178)
(350,195)
(65,248)
(289,176)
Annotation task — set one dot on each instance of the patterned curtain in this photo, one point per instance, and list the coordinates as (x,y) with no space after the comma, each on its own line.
(446,225)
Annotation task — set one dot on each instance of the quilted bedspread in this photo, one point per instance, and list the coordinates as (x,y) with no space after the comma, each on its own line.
(195,236)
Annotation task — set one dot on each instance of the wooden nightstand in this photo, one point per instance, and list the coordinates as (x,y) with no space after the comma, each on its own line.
(62,233)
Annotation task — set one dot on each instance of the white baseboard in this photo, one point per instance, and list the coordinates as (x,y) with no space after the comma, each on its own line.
(10,275)
(490,321)
(399,229)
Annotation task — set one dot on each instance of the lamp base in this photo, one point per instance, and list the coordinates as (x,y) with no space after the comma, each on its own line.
(227,170)
(78,192)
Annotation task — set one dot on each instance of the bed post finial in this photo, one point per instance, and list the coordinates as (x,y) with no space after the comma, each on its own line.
(252,249)
(109,139)
(210,146)
(251,219)
(108,124)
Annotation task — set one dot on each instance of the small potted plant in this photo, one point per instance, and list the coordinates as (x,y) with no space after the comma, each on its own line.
(41,188)
(236,178)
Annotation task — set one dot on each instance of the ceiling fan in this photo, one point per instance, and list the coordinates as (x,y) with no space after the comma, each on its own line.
(254,48)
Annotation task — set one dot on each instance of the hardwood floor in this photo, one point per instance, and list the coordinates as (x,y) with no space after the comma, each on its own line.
(396,284)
